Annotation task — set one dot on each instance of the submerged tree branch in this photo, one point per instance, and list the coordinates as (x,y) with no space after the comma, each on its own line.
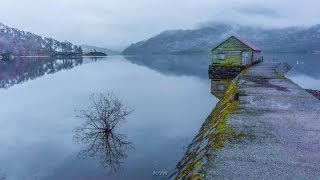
(100,120)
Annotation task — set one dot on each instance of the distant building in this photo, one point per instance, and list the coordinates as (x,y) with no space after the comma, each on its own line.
(236,51)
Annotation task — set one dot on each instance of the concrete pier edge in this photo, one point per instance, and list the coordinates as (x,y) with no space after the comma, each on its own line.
(255,129)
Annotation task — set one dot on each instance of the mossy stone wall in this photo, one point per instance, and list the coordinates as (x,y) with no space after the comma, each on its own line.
(212,136)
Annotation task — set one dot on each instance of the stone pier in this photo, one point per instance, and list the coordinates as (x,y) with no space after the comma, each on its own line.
(265,127)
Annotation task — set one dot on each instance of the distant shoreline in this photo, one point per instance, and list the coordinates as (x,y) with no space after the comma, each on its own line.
(48,56)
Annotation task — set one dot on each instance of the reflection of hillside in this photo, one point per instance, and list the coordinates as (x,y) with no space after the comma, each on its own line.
(21,70)
(189,65)
(197,65)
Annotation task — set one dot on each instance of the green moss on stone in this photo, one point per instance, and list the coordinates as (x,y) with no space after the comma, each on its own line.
(215,131)
(281,75)
(232,60)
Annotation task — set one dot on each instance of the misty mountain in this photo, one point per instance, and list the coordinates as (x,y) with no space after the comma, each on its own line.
(88,48)
(203,39)
(22,43)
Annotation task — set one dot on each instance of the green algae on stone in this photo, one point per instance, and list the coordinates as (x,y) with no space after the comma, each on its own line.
(213,134)
(281,75)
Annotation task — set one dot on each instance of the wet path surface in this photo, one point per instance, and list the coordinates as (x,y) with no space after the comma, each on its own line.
(264,127)
(281,123)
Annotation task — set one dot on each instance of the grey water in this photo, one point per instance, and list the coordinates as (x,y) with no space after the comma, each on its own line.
(39,99)
(305,68)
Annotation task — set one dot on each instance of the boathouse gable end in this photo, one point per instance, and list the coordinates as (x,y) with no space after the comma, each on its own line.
(233,50)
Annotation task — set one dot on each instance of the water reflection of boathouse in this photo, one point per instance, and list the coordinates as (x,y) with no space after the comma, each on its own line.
(219,87)
(228,59)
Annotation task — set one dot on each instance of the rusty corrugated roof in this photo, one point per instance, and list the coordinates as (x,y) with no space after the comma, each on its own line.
(244,41)
(247,43)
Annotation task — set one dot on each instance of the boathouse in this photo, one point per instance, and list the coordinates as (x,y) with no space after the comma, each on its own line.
(236,51)
(231,56)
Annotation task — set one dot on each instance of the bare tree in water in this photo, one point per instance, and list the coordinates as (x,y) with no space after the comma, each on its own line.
(98,130)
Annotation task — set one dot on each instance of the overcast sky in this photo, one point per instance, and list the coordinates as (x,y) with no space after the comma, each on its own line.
(118,23)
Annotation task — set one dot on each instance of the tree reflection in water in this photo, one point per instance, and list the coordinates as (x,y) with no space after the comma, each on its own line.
(20,70)
(96,58)
(104,115)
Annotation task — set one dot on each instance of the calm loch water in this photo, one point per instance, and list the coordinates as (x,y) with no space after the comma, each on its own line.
(39,99)
(305,68)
